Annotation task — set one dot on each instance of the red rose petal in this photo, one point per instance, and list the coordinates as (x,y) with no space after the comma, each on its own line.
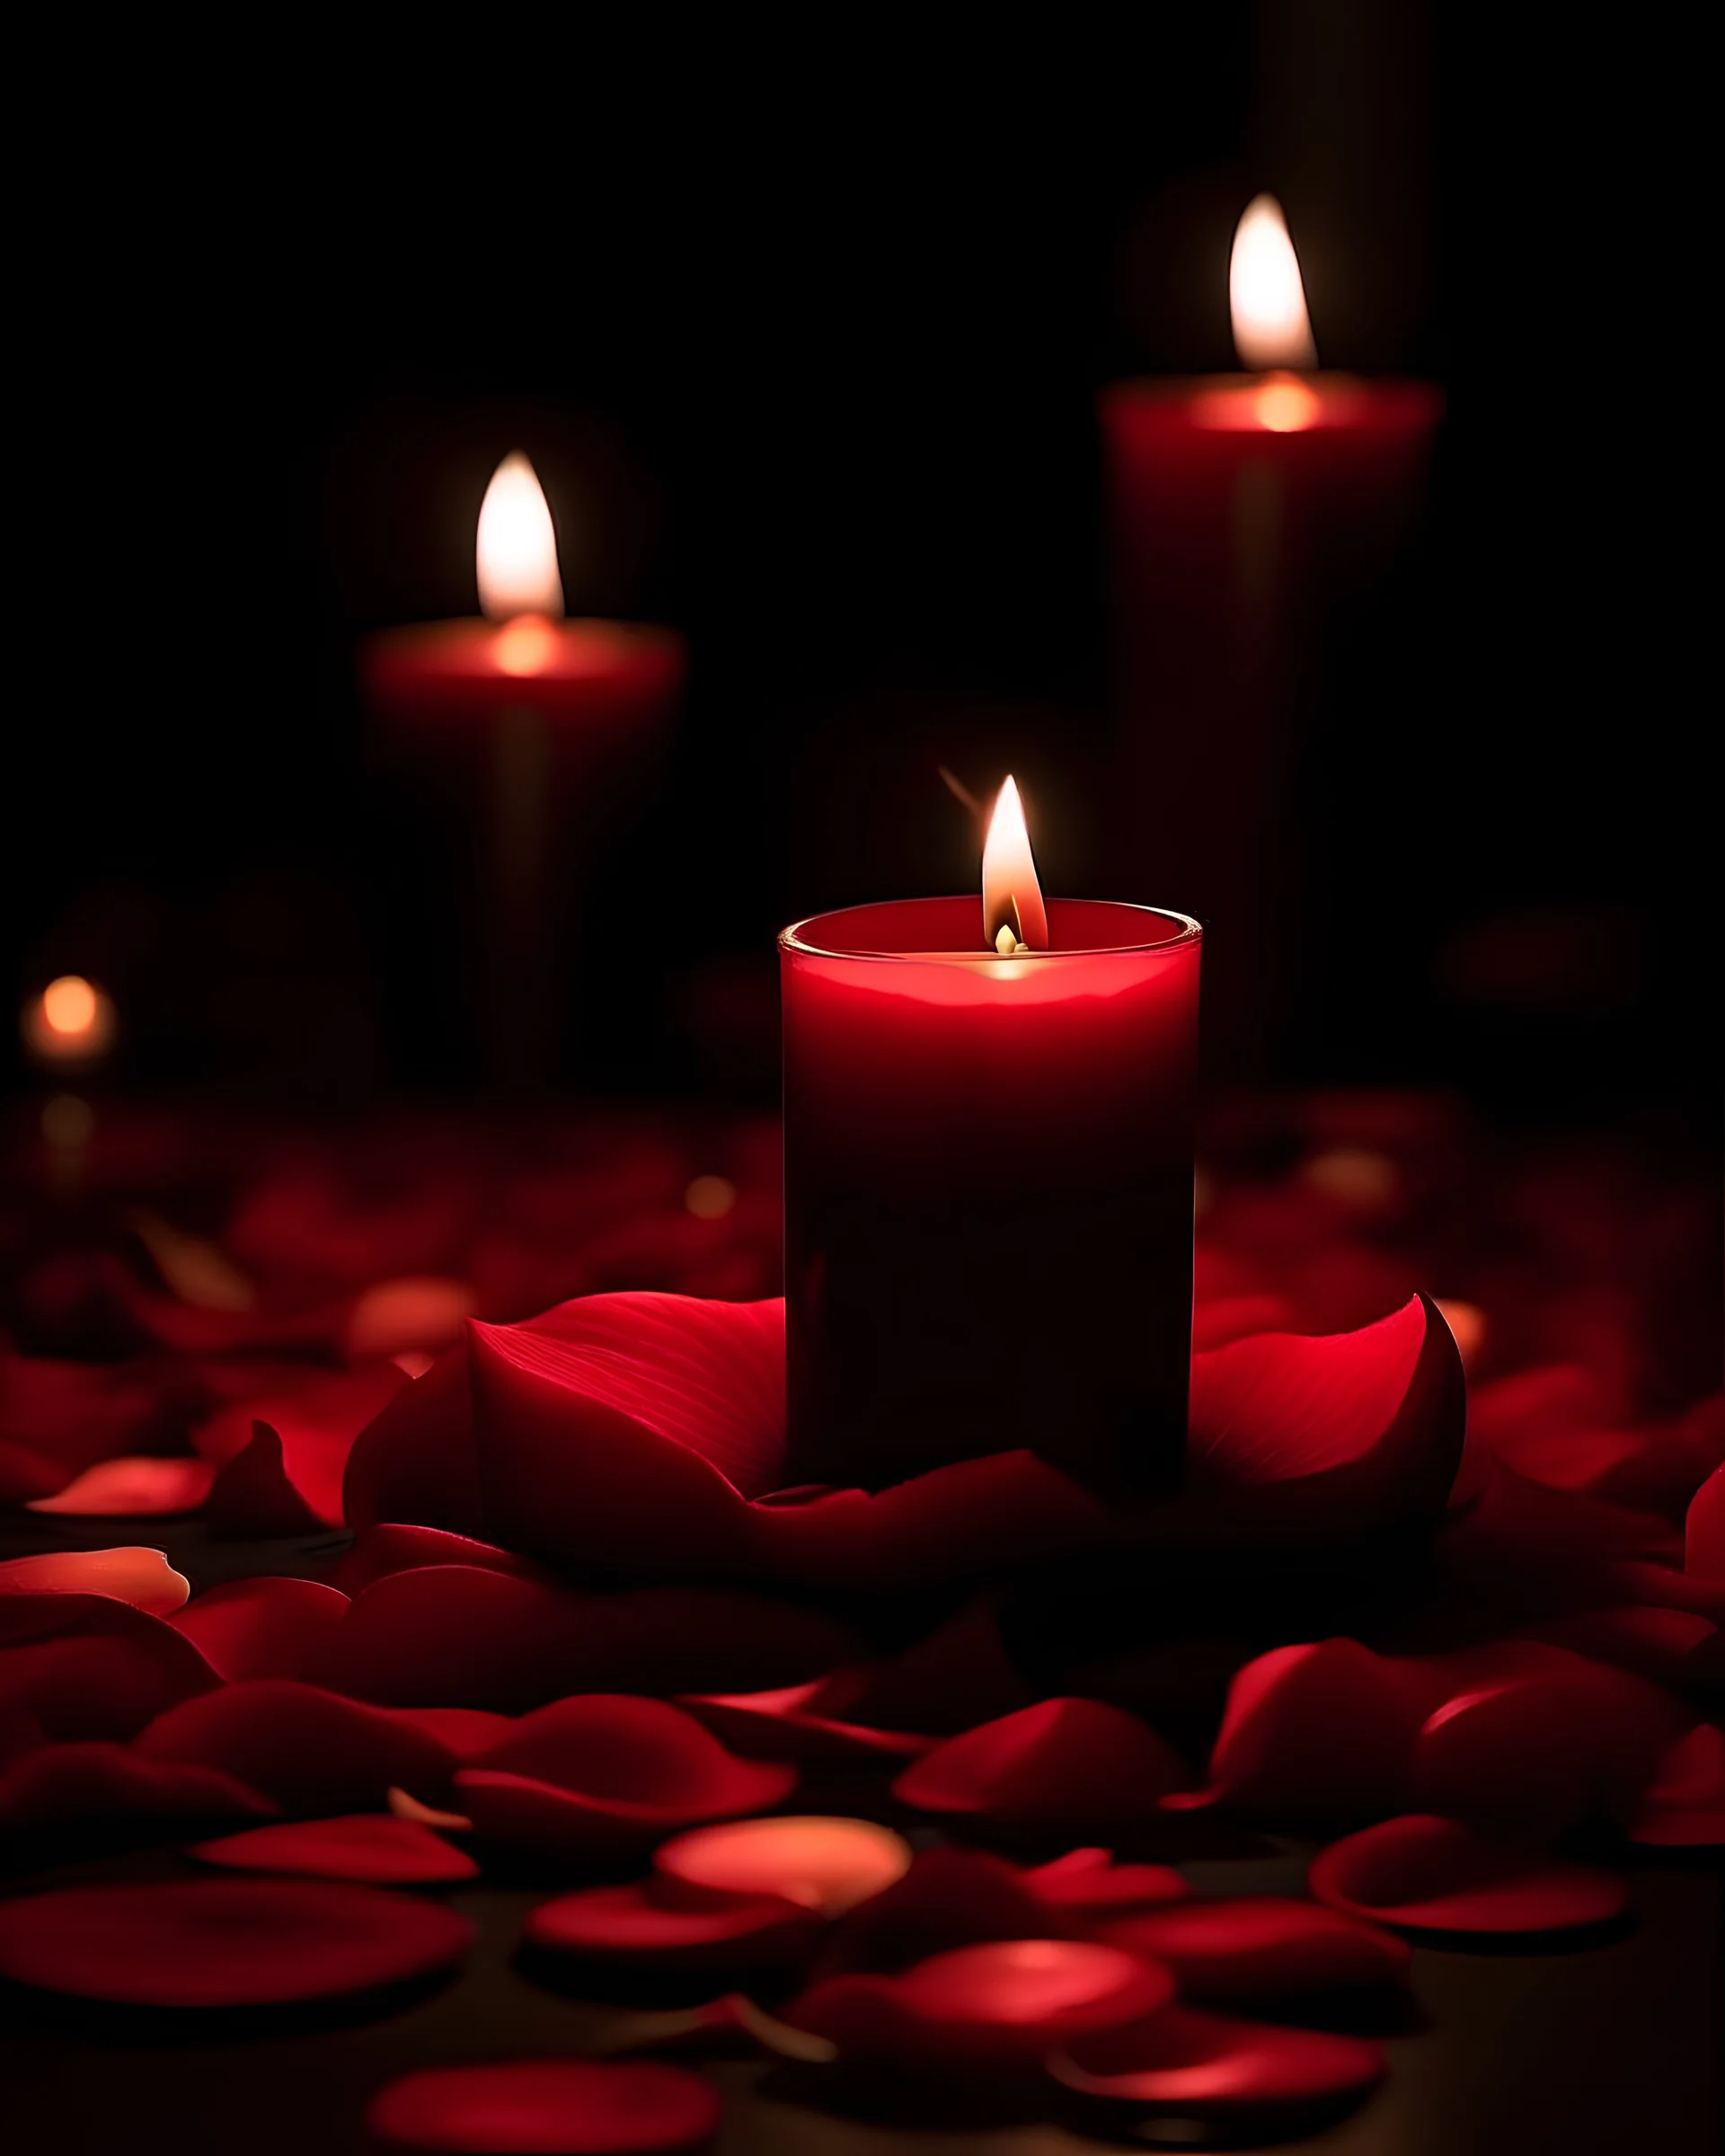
(379,1553)
(225,1942)
(1213,2066)
(144,1577)
(1086,1888)
(553,2107)
(289,1473)
(960,1675)
(779,1725)
(825,1864)
(310,1750)
(68,1415)
(262,1627)
(458,1633)
(1350,1430)
(1543,1748)
(1684,1805)
(371,1848)
(415,1460)
(630,1924)
(1062,1762)
(1677,1649)
(1426,1874)
(983,2009)
(1703,1530)
(111,1781)
(132,1490)
(85,1666)
(950,1897)
(638,1767)
(463,1732)
(1256,1945)
(1321,1731)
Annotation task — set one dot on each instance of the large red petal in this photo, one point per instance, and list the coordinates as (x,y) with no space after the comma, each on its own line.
(1067,1763)
(379,1553)
(225,1942)
(373,1849)
(1426,1874)
(949,1897)
(1704,1534)
(1086,1889)
(310,1750)
(1344,1433)
(262,1627)
(576,2105)
(1259,1944)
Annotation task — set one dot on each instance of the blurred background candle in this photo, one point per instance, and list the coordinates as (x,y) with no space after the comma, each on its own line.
(989,1181)
(542,724)
(1254,517)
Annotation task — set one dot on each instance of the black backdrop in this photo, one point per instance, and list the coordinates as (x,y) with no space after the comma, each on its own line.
(803,327)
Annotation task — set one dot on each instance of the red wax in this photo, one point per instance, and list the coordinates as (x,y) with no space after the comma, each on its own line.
(988,1191)
(592,672)
(1251,516)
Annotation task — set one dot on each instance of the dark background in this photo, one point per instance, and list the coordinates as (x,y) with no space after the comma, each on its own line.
(803,328)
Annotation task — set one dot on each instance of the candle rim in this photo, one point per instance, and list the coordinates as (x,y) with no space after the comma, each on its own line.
(1187,930)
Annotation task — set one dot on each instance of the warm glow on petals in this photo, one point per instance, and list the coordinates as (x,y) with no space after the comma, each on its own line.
(1012,897)
(1265,295)
(517,548)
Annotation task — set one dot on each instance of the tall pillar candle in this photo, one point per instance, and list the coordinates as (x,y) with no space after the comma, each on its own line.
(1254,515)
(989,1190)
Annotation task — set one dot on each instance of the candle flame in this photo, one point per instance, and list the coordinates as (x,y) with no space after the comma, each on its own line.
(1012,897)
(517,547)
(1265,294)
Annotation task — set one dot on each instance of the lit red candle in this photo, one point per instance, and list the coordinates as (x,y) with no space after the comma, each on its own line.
(988,1181)
(1249,511)
(536,716)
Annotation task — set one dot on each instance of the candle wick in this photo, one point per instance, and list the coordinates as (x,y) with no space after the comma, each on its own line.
(1006,943)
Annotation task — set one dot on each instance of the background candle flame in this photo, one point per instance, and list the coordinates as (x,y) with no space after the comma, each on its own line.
(1010,894)
(517,547)
(1265,294)
(70,1022)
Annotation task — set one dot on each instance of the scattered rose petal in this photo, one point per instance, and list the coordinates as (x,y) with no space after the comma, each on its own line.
(1259,1944)
(565,2107)
(463,1732)
(1086,1888)
(1064,1763)
(254,1494)
(144,1577)
(89,1666)
(310,1750)
(982,2009)
(787,1724)
(1206,2066)
(633,1924)
(960,1675)
(371,1848)
(825,1864)
(110,1782)
(225,1942)
(262,1627)
(609,1771)
(1425,1874)
(287,1471)
(137,1488)
(949,1897)
(1677,1649)
(1684,1805)
(1703,1532)
(1542,1748)
(380,1551)
(404,1806)
(456,1632)
(68,1415)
